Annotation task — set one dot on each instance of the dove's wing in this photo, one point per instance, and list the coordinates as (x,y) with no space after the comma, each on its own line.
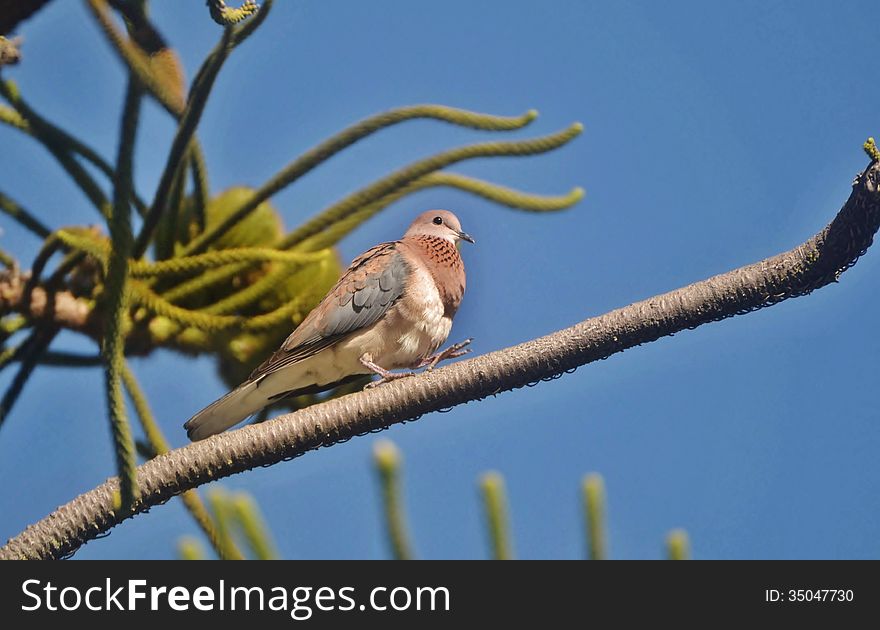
(364,293)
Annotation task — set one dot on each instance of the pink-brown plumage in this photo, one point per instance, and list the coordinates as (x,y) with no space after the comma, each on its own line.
(391,309)
(443,261)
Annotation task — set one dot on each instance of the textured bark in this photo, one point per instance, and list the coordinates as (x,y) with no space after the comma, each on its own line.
(60,308)
(797,272)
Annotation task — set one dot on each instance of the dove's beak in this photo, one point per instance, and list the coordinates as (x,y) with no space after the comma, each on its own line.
(466,237)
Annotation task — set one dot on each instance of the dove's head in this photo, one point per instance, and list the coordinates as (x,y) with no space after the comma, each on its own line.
(440,223)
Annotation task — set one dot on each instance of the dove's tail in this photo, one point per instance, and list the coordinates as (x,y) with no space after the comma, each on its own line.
(243,401)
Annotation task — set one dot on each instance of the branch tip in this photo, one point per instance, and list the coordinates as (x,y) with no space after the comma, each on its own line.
(678,546)
(227,16)
(871,149)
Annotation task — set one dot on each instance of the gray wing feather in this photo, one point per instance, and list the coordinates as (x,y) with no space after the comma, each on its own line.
(370,286)
(369,303)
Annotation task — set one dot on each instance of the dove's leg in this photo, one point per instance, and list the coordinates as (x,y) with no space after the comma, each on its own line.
(452,352)
(387,376)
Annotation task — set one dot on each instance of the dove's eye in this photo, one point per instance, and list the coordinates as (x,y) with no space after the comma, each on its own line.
(438,220)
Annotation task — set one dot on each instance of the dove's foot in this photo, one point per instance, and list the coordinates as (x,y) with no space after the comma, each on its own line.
(387,376)
(452,352)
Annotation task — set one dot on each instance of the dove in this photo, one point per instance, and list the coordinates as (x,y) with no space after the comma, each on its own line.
(391,309)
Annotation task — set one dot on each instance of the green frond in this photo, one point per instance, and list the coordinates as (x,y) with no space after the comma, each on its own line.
(249,294)
(28,354)
(871,149)
(195,340)
(401,178)
(243,31)
(22,216)
(186,128)
(224,546)
(213,319)
(82,178)
(189,264)
(201,187)
(227,16)
(497,520)
(137,61)
(166,230)
(85,241)
(7,260)
(162,60)
(9,354)
(9,91)
(387,460)
(678,546)
(509,197)
(285,314)
(333,145)
(146,297)
(67,264)
(340,225)
(49,248)
(9,116)
(274,280)
(189,548)
(115,300)
(203,282)
(151,429)
(10,325)
(261,228)
(301,290)
(63,142)
(253,526)
(594,514)
(218,500)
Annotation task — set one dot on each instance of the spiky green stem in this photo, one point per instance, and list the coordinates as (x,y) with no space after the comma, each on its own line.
(227,16)
(871,149)
(189,264)
(28,353)
(22,216)
(206,321)
(678,546)
(189,120)
(63,142)
(243,31)
(86,183)
(339,221)
(135,59)
(223,545)
(403,177)
(387,459)
(333,145)
(10,325)
(201,187)
(497,520)
(189,549)
(116,300)
(253,526)
(594,516)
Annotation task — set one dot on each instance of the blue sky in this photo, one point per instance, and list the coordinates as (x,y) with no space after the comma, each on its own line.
(714,136)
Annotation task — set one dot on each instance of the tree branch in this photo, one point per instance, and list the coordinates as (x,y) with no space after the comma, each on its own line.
(815,263)
(60,308)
